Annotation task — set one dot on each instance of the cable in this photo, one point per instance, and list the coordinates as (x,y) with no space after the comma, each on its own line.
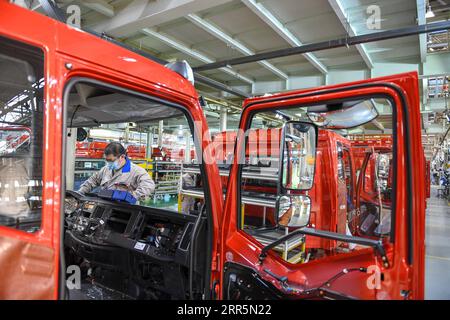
(71,119)
(445,135)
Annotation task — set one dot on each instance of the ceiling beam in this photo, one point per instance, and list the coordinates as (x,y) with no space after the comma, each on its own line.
(421,11)
(100,6)
(35,5)
(378,124)
(221,35)
(266,16)
(124,22)
(330,44)
(191,52)
(53,10)
(140,14)
(199,78)
(220,86)
(21,3)
(339,10)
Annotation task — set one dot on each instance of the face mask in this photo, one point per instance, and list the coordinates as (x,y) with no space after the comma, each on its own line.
(114,165)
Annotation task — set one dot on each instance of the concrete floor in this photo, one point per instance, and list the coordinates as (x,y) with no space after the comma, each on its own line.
(437,241)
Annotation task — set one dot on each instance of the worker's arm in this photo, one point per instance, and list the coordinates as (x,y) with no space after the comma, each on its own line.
(285,218)
(92,182)
(145,185)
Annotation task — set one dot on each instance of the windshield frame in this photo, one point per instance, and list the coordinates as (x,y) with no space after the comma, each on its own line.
(262,107)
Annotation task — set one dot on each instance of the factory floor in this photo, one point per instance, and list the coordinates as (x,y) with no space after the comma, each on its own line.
(437,241)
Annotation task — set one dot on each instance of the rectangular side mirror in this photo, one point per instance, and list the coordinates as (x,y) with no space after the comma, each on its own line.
(298,155)
(293,210)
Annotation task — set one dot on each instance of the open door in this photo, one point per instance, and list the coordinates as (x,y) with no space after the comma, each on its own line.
(29,228)
(271,226)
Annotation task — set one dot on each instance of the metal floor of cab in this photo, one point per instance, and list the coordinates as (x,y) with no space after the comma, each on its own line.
(437,241)
(91,291)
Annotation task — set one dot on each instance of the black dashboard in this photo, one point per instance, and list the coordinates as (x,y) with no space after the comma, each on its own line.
(159,233)
(139,243)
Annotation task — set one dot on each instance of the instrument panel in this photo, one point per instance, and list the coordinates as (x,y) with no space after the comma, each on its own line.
(145,248)
(153,232)
(70,205)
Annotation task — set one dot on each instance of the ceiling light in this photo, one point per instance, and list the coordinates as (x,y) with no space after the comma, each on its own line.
(430,13)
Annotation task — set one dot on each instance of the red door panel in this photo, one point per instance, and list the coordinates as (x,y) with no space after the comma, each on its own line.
(30,260)
(403,277)
(29,267)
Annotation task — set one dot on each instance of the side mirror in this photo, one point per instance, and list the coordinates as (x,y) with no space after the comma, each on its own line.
(298,155)
(81,134)
(293,210)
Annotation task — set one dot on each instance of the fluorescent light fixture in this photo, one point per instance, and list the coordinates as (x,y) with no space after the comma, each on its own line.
(211,114)
(430,13)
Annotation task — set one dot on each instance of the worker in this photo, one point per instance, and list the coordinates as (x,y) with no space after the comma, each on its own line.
(296,214)
(120,174)
(187,202)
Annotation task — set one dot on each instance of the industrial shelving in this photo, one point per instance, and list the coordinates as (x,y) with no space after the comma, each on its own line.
(166,175)
(438,87)
(292,250)
(86,167)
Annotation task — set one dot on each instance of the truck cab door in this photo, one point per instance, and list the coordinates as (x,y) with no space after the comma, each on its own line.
(256,264)
(30,156)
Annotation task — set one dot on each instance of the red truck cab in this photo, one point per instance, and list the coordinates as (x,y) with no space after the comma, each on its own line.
(91,150)
(332,195)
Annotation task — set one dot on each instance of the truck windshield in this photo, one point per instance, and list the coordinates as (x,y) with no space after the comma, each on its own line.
(157,148)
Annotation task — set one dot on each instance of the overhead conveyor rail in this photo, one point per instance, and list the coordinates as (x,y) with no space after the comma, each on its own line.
(330,44)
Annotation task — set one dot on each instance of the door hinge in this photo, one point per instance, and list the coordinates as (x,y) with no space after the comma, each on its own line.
(405,294)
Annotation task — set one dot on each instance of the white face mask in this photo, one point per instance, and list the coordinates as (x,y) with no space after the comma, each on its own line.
(114,165)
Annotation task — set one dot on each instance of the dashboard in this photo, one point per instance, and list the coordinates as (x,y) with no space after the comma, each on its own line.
(104,232)
(141,252)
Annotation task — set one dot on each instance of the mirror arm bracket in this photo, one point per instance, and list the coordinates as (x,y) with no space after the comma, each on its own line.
(263,254)
(377,245)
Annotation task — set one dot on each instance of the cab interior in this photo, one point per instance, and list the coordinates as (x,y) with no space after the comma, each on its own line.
(148,250)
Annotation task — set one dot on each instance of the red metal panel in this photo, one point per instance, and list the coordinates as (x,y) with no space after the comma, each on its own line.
(400,275)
